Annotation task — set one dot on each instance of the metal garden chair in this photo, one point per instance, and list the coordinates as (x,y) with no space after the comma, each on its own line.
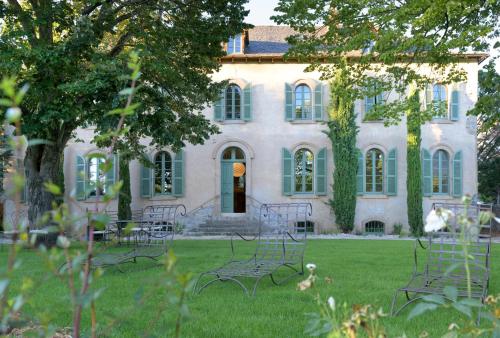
(280,243)
(152,237)
(444,261)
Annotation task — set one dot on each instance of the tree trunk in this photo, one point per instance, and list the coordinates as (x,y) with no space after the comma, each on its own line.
(124,211)
(414,168)
(42,164)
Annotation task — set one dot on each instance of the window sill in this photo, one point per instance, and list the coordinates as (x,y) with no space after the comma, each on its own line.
(162,198)
(304,121)
(373,196)
(441,197)
(305,196)
(232,122)
(441,121)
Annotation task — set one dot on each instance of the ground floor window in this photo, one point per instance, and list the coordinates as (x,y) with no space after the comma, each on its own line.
(306,226)
(375,227)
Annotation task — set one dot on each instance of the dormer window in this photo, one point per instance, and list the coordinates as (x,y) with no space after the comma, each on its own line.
(234,45)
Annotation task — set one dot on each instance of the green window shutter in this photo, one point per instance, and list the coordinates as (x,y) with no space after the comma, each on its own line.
(178,174)
(360,174)
(426,173)
(428,96)
(455,104)
(112,173)
(380,98)
(80,178)
(457,175)
(247,102)
(392,173)
(287,172)
(321,170)
(146,182)
(288,102)
(318,102)
(219,107)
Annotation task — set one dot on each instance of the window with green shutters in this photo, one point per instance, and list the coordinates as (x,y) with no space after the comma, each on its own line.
(374,172)
(234,103)
(392,173)
(90,179)
(303,172)
(303,103)
(166,177)
(440,172)
(455,105)
(377,173)
(437,97)
(457,174)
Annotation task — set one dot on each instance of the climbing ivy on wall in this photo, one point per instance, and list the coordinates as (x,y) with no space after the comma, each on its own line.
(342,132)
(414,166)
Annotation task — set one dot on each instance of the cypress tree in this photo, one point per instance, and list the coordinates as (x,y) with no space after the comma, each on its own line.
(124,199)
(413,163)
(342,131)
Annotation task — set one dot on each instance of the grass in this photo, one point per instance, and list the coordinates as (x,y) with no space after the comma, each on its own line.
(363,272)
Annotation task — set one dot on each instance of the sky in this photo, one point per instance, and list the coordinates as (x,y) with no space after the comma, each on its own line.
(261,11)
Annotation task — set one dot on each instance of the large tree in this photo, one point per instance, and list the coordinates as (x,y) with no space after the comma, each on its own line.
(392,38)
(72,54)
(487,110)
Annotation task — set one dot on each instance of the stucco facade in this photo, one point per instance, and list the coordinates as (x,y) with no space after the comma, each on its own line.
(263,137)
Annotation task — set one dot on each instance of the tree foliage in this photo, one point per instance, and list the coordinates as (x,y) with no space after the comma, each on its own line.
(73,54)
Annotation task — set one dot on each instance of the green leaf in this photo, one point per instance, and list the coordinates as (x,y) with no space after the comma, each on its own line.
(437,299)
(452,267)
(451,292)
(420,308)
(52,188)
(472,302)
(463,308)
(126,91)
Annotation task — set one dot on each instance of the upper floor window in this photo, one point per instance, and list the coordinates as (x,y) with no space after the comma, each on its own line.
(163,173)
(96,176)
(437,100)
(440,172)
(304,171)
(233,102)
(234,44)
(303,102)
(374,171)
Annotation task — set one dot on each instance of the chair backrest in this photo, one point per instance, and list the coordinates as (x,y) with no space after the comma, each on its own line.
(445,248)
(158,224)
(282,233)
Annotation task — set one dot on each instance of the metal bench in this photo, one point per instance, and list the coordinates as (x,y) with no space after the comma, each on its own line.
(280,243)
(444,265)
(152,236)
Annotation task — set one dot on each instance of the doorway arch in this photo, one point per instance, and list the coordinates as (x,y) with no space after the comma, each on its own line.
(233,180)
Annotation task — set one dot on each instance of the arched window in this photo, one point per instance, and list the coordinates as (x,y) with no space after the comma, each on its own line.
(304,171)
(96,177)
(233,153)
(163,173)
(374,171)
(375,227)
(440,172)
(233,102)
(303,102)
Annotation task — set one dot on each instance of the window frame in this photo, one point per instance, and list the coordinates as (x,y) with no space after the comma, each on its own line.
(163,177)
(373,169)
(310,113)
(236,89)
(303,175)
(439,152)
(436,103)
(100,179)
(234,45)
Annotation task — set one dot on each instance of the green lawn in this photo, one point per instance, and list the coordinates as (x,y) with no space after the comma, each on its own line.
(363,272)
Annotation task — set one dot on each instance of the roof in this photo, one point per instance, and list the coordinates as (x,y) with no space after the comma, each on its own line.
(268,44)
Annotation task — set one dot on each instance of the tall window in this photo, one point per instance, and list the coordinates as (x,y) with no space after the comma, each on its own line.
(96,176)
(234,44)
(303,102)
(163,173)
(304,171)
(233,102)
(439,101)
(374,171)
(440,172)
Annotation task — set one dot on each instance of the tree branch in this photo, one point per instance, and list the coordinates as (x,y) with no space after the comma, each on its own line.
(26,22)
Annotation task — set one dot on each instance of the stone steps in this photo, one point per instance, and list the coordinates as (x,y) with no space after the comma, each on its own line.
(225,227)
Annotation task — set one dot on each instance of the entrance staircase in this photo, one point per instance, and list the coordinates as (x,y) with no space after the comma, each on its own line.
(207,220)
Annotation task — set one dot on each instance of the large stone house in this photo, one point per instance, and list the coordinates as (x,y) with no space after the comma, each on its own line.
(272,149)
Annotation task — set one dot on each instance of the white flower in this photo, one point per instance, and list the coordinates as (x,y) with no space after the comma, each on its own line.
(13,114)
(331,303)
(436,219)
(311,266)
